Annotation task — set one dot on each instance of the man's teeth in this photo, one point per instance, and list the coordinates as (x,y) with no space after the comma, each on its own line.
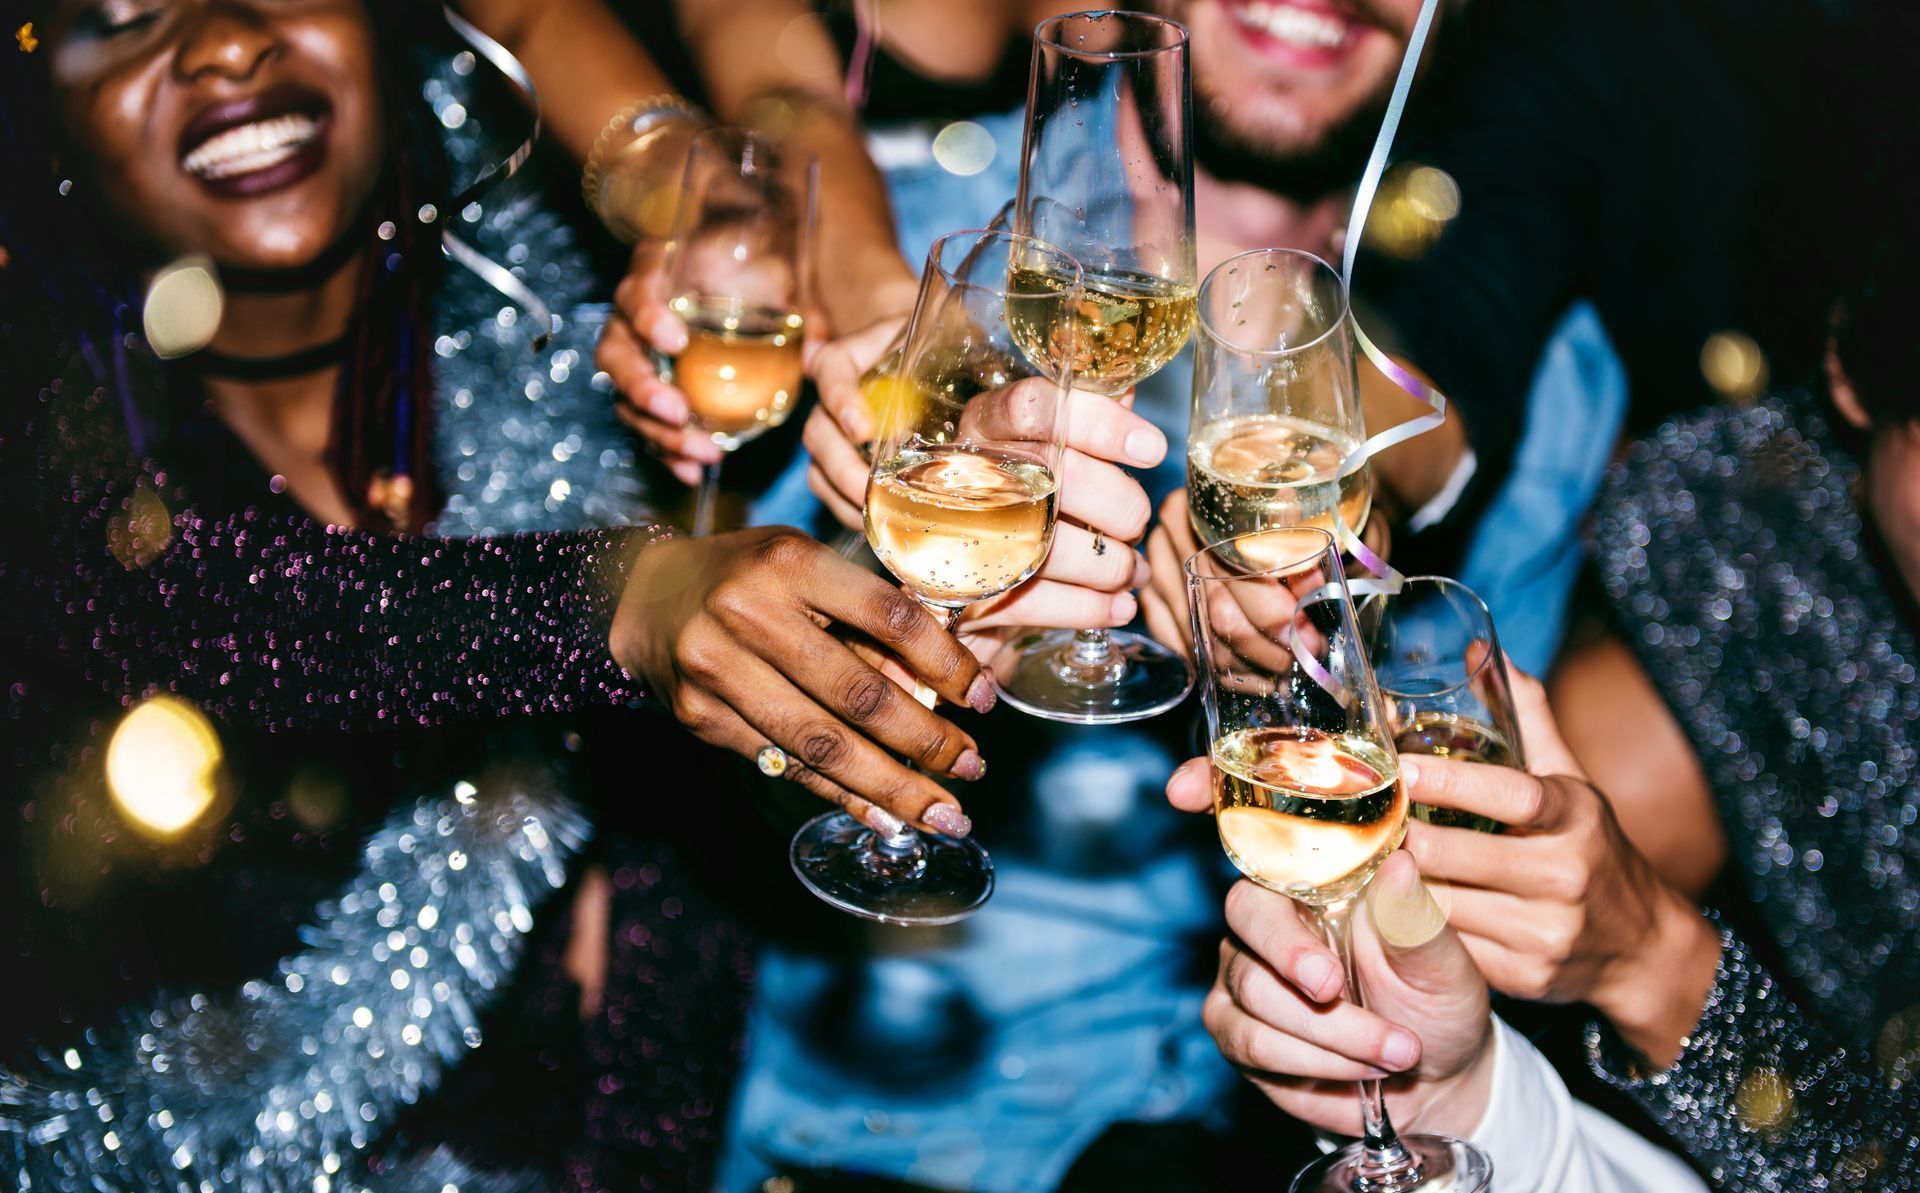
(251,147)
(1295,26)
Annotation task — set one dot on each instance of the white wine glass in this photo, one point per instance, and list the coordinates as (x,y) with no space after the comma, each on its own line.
(1436,655)
(960,507)
(1106,173)
(738,271)
(1307,792)
(1276,405)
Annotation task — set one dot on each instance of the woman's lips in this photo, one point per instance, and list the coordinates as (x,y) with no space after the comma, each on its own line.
(259,144)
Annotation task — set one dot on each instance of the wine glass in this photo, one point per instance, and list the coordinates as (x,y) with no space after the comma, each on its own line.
(738,273)
(960,507)
(1106,173)
(1437,658)
(1276,405)
(1307,791)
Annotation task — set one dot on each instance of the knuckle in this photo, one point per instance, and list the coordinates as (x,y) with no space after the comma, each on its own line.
(783,551)
(824,747)
(863,695)
(897,614)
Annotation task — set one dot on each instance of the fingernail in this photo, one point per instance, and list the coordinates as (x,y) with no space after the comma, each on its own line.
(1398,1051)
(981,697)
(670,407)
(1123,608)
(669,337)
(948,819)
(971,766)
(1409,773)
(1146,445)
(1142,571)
(884,822)
(1313,973)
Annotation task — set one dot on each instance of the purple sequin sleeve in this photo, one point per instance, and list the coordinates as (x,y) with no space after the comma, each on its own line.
(283,623)
(1763,1097)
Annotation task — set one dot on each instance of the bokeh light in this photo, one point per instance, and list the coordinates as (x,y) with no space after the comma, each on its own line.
(163,766)
(1764,1102)
(1733,365)
(1412,208)
(963,148)
(138,534)
(183,308)
(1898,1048)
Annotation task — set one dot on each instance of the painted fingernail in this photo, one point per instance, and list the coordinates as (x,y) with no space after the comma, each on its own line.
(884,822)
(971,766)
(981,697)
(1146,445)
(948,819)
(1398,1051)
(1313,973)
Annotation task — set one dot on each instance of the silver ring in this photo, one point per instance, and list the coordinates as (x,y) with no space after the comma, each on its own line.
(772,761)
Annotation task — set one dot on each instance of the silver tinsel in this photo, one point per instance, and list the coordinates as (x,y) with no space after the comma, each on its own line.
(282,1085)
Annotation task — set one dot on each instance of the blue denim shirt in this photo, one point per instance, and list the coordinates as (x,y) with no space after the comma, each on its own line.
(990,1054)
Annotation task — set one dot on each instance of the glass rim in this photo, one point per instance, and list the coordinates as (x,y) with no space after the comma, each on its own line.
(1042,34)
(1206,324)
(935,266)
(1447,584)
(1278,570)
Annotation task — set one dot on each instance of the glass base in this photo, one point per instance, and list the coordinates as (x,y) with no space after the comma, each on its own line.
(1061,676)
(1447,1165)
(916,878)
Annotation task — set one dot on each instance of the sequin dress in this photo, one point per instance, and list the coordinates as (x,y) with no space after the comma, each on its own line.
(1733,550)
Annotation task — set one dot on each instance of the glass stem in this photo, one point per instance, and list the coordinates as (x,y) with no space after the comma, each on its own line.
(704,501)
(1387,1164)
(948,618)
(1093,648)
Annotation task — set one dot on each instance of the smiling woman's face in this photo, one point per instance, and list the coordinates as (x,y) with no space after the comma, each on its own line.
(249,130)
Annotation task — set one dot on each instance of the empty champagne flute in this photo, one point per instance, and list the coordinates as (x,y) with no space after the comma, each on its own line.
(738,273)
(1106,173)
(1276,405)
(960,507)
(1307,792)
(1437,658)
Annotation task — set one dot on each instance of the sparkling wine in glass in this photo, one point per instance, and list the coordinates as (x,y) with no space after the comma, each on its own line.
(1307,792)
(1106,173)
(1276,405)
(738,272)
(961,505)
(1437,657)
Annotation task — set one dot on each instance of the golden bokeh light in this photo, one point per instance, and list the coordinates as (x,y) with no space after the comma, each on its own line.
(1733,365)
(1413,207)
(139,533)
(1764,1102)
(1898,1048)
(963,148)
(183,308)
(163,766)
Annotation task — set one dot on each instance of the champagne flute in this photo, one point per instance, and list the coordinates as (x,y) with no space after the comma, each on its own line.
(738,273)
(1307,791)
(960,507)
(1276,405)
(1437,658)
(1106,173)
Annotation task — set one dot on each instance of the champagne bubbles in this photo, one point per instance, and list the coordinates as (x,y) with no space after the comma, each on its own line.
(163,766)
(964,148)
(183,308)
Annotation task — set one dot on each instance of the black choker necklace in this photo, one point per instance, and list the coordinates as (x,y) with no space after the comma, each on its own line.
(268,368)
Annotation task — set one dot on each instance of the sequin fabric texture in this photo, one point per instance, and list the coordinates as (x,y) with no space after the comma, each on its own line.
(1732,548)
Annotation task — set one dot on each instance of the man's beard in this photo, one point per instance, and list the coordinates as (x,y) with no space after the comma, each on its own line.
(1331,163)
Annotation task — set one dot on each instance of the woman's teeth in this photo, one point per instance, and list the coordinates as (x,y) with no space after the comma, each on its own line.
(1295,26)
(251,147)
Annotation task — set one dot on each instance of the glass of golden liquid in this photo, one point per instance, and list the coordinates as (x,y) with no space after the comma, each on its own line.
(1437,657)
(960,507)
(1276,406)
(738,272)
(1106,173)
(1307,790)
